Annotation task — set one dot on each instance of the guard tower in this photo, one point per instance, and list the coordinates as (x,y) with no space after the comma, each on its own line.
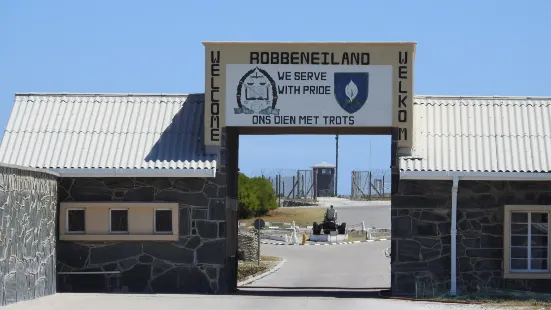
(324,179)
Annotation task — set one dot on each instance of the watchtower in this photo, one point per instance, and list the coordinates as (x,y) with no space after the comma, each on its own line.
(324,179)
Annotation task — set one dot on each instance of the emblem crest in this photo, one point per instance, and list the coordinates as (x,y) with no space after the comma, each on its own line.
(351,90)
(256,93)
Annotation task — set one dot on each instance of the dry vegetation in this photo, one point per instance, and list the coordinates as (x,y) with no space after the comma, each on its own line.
(356,236)
(250,269)
(493,303)
(301,216)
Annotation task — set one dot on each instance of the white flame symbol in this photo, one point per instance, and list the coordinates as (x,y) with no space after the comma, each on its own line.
(351,90)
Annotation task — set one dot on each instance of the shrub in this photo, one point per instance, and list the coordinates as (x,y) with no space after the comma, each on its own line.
(256,196)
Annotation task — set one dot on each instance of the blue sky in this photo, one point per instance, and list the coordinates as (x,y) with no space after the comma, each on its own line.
(464,48)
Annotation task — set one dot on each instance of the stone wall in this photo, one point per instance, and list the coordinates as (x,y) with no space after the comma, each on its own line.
(247,245)
(194,264)
(28,200)
(421,213)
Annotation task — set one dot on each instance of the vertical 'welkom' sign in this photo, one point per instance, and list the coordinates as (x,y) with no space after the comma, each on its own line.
(368,85)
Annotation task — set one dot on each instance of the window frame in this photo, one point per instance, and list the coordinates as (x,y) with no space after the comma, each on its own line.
(155,221)
(524,274)
(98,221)
(67,231)
(127,221)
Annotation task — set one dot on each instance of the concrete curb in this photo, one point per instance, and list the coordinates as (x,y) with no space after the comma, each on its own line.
(444,301)
(310,244)
(262,275)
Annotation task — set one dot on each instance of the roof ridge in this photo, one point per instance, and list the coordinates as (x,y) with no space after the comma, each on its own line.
(495,97)
(487,135)
(539,102)
(106,94)
(104,132)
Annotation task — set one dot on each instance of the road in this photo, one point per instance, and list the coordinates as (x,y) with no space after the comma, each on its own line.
(227,302)
(362,265)
(377,215)
(373,213)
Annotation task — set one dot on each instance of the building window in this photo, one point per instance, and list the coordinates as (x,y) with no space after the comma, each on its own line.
(76,221)
(527,242)
(118,220)
(163,221)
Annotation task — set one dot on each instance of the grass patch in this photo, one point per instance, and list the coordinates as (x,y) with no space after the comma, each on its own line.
(356,238)
(250,269)
(301,216)
(269,259)
(379,235)
(499,301)
(356,235)
(374,198)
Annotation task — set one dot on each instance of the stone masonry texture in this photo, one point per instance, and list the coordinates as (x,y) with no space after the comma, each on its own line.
(28,201)
(247,245)
(421,222)
(196,263)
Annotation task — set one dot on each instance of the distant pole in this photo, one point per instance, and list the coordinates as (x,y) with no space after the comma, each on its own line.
(279,191)
(336,163)
(370,154)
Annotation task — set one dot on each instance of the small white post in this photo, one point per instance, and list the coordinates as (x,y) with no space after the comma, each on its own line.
(363,226)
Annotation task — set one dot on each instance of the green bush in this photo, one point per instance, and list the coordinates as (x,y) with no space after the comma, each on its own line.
(256,196)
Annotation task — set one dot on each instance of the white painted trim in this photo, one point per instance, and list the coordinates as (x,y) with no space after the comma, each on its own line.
(67,221)
(24,168)
(127,221)
(155,221)
(453,232)
(474,176)
(136,173)
(117,204)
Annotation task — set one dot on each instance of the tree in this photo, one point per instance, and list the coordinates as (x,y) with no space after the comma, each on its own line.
(265,193)
(256,196)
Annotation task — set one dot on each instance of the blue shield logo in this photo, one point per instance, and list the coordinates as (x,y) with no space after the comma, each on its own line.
(351,90)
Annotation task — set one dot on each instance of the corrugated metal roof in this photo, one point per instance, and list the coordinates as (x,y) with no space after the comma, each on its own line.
(483,134)
(106,131)
(324,165)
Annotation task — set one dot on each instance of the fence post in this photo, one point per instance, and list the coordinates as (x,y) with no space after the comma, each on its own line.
(354,183)
(303,184)
(276,185)
(383,186)
(298,194)
(293,190)
(279,188)
(315,183)
(369,184)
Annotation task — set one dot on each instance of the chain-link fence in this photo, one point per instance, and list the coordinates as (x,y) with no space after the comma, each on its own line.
(290,183)
(371,185)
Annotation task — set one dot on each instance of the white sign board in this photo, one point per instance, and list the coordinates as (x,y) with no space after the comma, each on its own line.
(309,95)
